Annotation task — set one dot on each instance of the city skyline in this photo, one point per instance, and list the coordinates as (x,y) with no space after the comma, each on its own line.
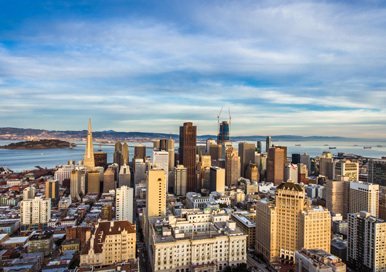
(299,68)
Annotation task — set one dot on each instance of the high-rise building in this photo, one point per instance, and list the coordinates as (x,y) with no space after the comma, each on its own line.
(52,190)
(111,242)
(337,196)
(326,167)
(139,152)
(223,134)
(247,155)
(364,197)
(124,176)
(156,193)
(209,142)
(187,154)
(124,201)
(139,171)
(289,223)
(295,158)
(276,164)
(75,184)
(302,173)
(291,172)
(170,149)
(125,153)
(259,148)
(118,158)
(346,168)
(100,159)
(305,159)
(89,160)
(268,143)
(108,180)
(382,202)
(377,171)
(217,179)
(252,172)
(35,212)
(366,249)
(93,182)
(232,168)
(180,180)
(161,161)
(63,173)
(29,192)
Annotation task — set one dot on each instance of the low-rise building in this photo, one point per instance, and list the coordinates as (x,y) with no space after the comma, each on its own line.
(315,260)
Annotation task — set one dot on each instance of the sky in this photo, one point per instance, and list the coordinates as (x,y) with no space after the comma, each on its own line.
(281,67)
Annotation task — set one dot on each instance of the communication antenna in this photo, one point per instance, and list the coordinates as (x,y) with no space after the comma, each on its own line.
(230,117)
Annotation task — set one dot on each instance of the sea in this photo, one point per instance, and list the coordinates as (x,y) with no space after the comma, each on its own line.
(20,160)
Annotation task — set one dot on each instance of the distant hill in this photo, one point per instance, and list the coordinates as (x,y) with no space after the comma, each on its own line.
(9,133)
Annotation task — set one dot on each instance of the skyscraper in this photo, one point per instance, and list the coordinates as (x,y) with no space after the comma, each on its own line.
(124,201)
(170,149)
(187,154)
(217,179)
(108,180)
(247,155)
(118,158)
(156,193)
(125,154)
(346,168)
(223,134)
(366,249)
(364,197)
(52,190)
(276,164)
(259,147)
(268,143)
(337,196)
(161,161)
(124,176)
(180,180)
(232,167)
(139,152)
(88,160)
(377,171)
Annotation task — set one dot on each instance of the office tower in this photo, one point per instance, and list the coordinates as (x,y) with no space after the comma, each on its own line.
(161,161)
(366,249)
(326,166)
(111,242)
(247,155)
(316,260)
(302,173)
(139,152)
(295,158)
(382,202)
(52,190)
(89,161)
(100,159)
(108,180)
(125,153)
(75,185)
(163,145)
(377,171)
(29,192)
(35,212)
(364,197)
(209,142)
(252,173)
(124,202)
(346,168)
(139,171)
(215,152)
(291,172)
(180,180)
(305,159)
(63,173)
(187,154)
(232,168)
(93,182)
(124,176)
(268,143)
(223,134)
(276,165)
(170,149)
(259,147)
(117,157)
(217,179)
(337,196)
(156,144)
(156,193)
(289,223)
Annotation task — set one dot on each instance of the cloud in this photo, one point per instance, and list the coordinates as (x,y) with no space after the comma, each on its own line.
(289,68)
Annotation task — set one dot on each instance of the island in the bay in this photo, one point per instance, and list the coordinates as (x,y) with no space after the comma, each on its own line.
(40,144)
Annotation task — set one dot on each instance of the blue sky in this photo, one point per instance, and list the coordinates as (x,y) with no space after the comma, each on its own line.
(283,67)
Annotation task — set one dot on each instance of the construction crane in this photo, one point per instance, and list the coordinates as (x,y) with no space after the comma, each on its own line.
(230,117)
(218,119)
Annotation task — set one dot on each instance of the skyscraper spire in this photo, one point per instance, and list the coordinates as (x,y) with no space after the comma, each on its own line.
(89,154)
